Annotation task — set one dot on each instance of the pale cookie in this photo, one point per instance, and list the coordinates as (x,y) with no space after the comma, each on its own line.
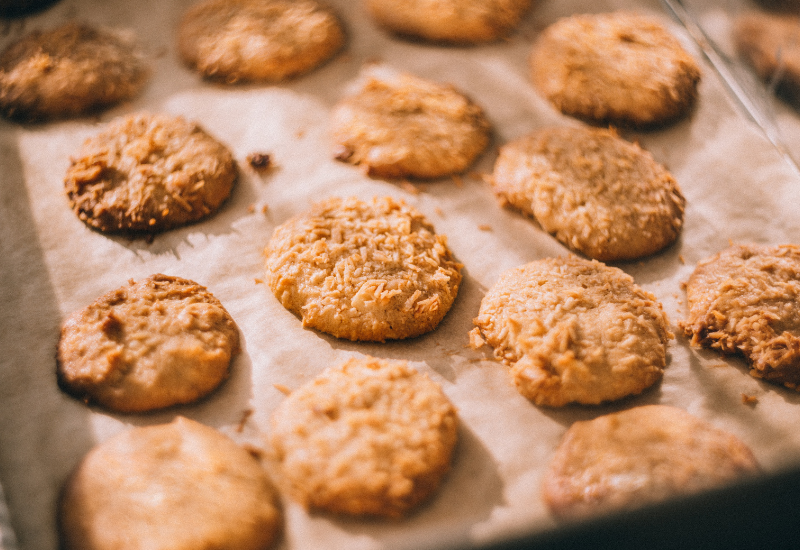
(594,191)
(363,271)
(258,40)
(162,341)
(746,300)
(177,486)
(771,45)
(370,437)
(639,456)
(450,21)
(149,173)
(618,67)
(398,125)
(575,330)
(70,70)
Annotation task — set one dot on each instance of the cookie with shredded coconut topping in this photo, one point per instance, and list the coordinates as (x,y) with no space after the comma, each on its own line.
(363,270)
(68,71)
(147,173)
(594,191)
(368,438)
(150,344)
(574,331)
(615,68)
(449,21)
(258,40)
(398,125)
(744,300)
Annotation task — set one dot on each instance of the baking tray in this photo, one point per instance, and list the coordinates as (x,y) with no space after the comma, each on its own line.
(52,265)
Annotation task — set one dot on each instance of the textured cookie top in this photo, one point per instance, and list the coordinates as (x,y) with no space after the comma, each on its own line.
(69,70)
(746,299)
(638,456)
(398,125)
(363,271)
(594,191)
(575,330)
(177,486)
(614,67)
(258,40)
(159,342)
(369,437)
(453,21)
(146,173)
(771,43)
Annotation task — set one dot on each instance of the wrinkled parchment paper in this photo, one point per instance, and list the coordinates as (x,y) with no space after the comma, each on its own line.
(738,188)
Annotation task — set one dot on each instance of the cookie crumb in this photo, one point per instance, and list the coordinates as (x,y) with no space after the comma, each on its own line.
(485,227)
(681,260)
(409,187)
(247,413)
(476,341)
(283,389)
(750,400)
(259,281)
(260,161)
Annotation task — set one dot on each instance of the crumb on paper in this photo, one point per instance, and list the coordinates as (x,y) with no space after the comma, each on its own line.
(751,400)
(438,211)
(458,180)
(409,187)
(485,227)
(256,452)
(718,365)
(246,414)
(300,134)
(283,389)
(260,161)
(476,341)
(681,259)
(259,281)
(251,208)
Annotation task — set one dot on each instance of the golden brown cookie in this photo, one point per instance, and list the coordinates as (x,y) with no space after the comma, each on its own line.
(619,68)
(398,125)
(177,486)
(363,270)
(370,437)
(574,331)
(746,300)
(258,40)
(639,456)
(69,70)
(162,341)
(148,173)
(770,43)
(451,21)
(594,191)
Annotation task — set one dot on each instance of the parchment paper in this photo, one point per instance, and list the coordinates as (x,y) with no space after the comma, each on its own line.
(738,188)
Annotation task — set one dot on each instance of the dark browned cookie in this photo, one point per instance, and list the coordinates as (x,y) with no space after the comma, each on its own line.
(597,193)
(147,173)
(68,71)
(451,21)
(162,341)
(177,486)
(642,455)
(619,67)
(746,300)
(258,40)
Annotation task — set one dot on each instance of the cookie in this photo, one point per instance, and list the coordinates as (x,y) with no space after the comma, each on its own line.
(746,300)
(148,173)
(70,70)
(359,270)
(594,191)
(769,44)
(639,456)
(177,486)
(258,40)
(619,68)
(398,125)
(449,21)
(574,331)
(162,341)
(367,438)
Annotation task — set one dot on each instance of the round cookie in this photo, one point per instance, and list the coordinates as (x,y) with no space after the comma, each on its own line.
(640,456)
(398,125)
(450,21)
(619,68)
(574,331)
(162,341)
(363,271)
(367,438)
(594,191)
(258,40)
(69,70)
(177,486)
(769,43)
(746,300)
(148,173)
